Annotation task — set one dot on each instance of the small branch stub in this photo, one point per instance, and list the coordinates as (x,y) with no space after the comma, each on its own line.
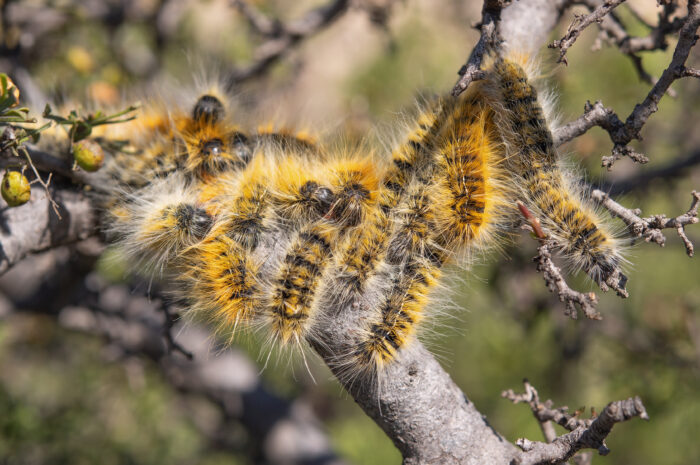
(650,228)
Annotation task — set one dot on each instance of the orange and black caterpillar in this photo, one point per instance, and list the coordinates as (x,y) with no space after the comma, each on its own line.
(581,234)
(271,229)
(448,214)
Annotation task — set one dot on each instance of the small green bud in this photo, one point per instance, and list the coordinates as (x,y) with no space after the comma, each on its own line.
(88,155)
(15,188)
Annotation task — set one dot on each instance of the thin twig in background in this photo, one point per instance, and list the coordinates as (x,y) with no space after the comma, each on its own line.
(282,37)
(580,23)
(471,70)
(620,133)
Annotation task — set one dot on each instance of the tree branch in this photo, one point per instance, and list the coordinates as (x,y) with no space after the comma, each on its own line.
(471,70)
(621,133)
(585,433)
(580,23)
(34,226)
(282,37)
(650,228)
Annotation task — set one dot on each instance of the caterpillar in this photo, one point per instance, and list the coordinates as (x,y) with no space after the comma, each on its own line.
(578,231)
(364,254)
(270,228)
(444,214)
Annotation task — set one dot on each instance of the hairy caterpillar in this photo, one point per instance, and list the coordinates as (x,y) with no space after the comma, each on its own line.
(582,235)
(445,214)
(259,226)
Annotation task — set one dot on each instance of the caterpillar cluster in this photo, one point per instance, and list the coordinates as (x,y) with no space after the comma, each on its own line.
(256,228)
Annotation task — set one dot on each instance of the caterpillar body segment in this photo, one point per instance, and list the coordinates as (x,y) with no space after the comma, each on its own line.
(292,300)
(364,253)
(470,186)
(245,204)
(524,118)
(302,192)
(413,156)
(287,140)
(220,283)
(580,233)
(583,236)
(414,225)
(354,181)
(399,315)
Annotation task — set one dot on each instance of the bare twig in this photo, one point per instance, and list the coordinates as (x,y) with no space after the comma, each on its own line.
(612,30)
(585,433)
(170,319)
(686,41)
(650,228)
(621,133)
(553,275)
(283,37)
(580,23)
(44,184)
(260,23)
(471,70)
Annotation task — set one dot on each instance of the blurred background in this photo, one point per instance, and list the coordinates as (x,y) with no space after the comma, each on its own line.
(82,381)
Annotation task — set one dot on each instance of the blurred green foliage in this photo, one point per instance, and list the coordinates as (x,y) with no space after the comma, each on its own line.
(60,403)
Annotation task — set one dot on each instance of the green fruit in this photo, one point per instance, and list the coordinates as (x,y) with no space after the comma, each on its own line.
(88,155)
(15,188)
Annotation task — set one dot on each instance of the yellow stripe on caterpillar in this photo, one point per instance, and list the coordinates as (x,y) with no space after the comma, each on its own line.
(220,283)
(290,304)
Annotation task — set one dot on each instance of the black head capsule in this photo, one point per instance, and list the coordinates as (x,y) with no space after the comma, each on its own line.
(240,146)
(193,220)
(212,148)
(349,208)
(214,157)
(320,197)
(208,109)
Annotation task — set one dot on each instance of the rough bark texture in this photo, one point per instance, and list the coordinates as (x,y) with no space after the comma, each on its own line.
(35,226)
